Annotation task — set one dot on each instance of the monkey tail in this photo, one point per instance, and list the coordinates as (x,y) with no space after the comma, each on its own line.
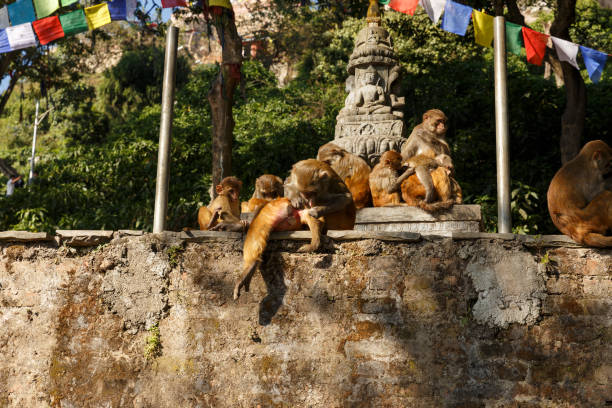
(256,240)
(437,206)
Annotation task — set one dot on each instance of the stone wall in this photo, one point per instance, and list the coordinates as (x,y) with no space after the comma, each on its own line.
(477,320)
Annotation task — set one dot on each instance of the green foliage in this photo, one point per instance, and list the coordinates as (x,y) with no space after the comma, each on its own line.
(153,346)
(136,80)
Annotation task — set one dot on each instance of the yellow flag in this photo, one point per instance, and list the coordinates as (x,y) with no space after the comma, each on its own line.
(220,3)
(483,28)
(97,16)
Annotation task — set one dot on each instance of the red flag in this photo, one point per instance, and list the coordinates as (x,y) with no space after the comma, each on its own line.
(404,6)
(535,45)
(174,3)
(48,29)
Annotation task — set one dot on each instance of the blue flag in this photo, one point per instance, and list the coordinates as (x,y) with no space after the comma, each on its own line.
(21,12)
(456,17)
(117,9)
(4,44)
(595,62)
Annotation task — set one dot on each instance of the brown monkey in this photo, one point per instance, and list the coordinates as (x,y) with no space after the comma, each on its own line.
(267,188)
(223,213)
(316,196)
(423,165)
(578,201)
(385,180)
(428,138)
(352,169)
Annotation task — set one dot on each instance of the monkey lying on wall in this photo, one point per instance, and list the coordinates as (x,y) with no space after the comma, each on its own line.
(315,196)
(267,188)
(580,196)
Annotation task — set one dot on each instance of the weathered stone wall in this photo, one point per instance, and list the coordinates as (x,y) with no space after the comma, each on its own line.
(480,322)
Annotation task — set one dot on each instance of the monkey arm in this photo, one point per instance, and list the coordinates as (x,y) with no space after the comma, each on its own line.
(335,202)
(395,185)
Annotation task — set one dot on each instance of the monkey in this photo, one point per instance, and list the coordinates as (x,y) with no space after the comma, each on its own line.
(423,165)
(385,180)
(428,137)
(315,196)
(433,180)
(223,213)
(267,188)
(352,169)
(579,198)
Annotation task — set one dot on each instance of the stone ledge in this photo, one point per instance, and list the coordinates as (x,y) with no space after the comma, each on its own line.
(24,236)
(84,238)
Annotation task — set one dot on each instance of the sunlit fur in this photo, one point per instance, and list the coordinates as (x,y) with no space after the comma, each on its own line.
(579,196)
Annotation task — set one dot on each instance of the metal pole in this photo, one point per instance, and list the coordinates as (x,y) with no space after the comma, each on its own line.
(504,219)
(165,132)
(31,175)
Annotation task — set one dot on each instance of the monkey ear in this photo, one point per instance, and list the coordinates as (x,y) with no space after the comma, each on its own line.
(219,188)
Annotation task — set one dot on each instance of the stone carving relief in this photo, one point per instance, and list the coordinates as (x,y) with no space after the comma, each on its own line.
(371,121)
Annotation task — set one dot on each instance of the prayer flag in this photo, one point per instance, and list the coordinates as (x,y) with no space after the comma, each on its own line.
(68,2)
(220,3)
(45,8)
(21,36)
(595,62)
(566,51)
(483,28)
(383,1)
(175,3)
(131,8)
(4,43)
(117,9)
(97,16)
(456,17)
(514,38)
(535,45)
(48,29)
(434,9)
(4,20)
(74,22)
(404,6)
(21,12)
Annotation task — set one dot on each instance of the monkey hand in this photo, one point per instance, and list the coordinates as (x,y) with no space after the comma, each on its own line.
(315,212)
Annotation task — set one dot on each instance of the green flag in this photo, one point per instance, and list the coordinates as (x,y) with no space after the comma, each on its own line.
(68,2)
(74,22)
(384,1)
(45,8)
(514,38)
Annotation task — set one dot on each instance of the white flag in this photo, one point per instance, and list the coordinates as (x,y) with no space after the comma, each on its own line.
(130,8)
(433,8)
(4,20)
(566,51)
(21,36)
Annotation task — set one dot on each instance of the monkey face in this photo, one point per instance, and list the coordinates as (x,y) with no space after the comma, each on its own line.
(392,159)
(434,120)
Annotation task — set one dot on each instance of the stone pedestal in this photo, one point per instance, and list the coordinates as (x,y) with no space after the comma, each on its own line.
(460,218)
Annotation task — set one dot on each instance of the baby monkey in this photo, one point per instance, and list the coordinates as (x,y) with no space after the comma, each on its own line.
(423,165)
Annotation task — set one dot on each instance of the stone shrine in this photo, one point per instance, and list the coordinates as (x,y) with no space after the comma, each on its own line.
(371,121)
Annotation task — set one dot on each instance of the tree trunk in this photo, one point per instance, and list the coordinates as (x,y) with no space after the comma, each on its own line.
(572,120)
(221,94)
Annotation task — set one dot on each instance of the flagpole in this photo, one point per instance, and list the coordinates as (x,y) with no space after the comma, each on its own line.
(504,218)
(165,132)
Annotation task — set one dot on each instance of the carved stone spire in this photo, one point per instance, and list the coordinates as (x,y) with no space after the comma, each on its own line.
(371,121)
